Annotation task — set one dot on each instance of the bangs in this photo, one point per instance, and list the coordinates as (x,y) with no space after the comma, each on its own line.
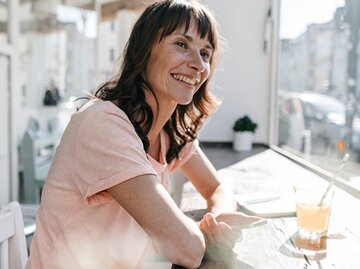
(179,15)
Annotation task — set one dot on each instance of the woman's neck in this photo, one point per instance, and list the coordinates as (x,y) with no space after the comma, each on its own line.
(162,112)
(155,148)
(160,118)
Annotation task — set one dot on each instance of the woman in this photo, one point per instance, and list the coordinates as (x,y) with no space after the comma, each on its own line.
(105,203)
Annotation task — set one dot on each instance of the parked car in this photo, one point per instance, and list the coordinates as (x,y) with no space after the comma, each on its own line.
(321,116)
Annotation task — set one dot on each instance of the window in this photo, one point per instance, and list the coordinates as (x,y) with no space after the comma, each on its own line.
(318,90)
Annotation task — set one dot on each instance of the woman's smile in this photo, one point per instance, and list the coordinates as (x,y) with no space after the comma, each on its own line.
(186,79)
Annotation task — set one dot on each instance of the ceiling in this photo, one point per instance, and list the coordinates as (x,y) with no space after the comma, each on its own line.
(89,4)
(108,7)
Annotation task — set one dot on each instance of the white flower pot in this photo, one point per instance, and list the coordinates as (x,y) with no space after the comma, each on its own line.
(243,141)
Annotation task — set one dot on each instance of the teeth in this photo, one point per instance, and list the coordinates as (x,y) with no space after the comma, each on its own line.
(185,79)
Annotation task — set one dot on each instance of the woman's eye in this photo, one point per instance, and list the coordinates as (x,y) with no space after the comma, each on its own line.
(205,55)
(181,45)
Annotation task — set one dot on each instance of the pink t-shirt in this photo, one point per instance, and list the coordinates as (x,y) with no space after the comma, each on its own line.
(79,224)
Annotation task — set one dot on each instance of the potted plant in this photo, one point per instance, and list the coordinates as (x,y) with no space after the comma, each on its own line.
(244,129)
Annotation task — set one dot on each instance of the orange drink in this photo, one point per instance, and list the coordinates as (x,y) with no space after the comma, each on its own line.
(312,217)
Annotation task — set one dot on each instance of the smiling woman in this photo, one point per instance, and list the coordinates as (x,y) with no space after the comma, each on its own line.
(105,203)
(191,39)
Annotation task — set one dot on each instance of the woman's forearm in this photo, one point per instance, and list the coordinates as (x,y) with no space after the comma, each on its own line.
(222,200)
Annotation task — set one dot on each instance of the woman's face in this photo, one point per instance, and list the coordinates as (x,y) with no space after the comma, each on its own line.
(179,65)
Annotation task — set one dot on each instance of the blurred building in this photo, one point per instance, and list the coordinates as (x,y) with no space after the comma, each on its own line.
(317,60)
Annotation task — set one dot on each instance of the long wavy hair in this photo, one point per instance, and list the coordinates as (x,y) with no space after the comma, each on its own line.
(156,22)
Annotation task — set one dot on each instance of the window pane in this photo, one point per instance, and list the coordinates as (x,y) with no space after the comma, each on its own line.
(319,83)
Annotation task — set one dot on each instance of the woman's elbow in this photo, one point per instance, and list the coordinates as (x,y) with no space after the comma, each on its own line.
(191,255)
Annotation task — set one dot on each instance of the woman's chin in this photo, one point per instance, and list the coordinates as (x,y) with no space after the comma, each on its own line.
(184,102)
(185,99)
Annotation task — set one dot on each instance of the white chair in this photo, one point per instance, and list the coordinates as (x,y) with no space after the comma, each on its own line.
(13,252)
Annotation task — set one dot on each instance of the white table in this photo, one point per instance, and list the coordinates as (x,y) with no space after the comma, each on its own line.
(275,244)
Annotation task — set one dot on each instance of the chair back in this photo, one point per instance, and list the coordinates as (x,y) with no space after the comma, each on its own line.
(13,251)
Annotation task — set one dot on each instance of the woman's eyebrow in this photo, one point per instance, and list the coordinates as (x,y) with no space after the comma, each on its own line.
(190,38)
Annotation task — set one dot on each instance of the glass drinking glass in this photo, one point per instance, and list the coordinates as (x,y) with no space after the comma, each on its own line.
(313,212)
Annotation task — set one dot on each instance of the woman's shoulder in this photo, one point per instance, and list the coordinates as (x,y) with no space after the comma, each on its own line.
(100,108)
(99,105)
(99,114)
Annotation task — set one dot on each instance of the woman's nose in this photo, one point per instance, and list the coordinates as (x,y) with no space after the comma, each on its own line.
(196,62)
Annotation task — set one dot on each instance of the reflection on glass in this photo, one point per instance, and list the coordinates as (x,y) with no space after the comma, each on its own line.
(319,83)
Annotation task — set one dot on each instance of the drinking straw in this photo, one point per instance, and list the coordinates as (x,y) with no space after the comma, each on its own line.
(338,171)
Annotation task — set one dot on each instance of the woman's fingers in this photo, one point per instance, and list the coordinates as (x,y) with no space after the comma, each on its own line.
(206,231)
(228,236)
(239,220)
(211,227)
(218,232)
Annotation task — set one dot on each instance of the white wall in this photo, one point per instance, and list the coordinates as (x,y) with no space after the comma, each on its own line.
(114,39)
(125,19)
(242,80)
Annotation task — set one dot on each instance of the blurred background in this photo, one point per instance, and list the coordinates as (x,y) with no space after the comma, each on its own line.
(291,65)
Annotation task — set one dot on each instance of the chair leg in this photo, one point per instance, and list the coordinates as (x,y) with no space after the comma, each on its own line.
(31,191)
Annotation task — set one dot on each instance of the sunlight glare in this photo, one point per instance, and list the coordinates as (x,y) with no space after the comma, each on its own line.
(293,22)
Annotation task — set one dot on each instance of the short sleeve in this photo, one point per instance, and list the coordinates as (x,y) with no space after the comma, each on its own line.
(108,152)
(184,155)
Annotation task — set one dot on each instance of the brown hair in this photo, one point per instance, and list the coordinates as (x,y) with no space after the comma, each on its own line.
(156,22)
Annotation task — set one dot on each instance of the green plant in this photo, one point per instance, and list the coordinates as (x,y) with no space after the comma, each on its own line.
(245,124)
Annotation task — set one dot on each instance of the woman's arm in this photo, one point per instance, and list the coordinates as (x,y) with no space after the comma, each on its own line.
(220,227)
(199,170)
(177,236)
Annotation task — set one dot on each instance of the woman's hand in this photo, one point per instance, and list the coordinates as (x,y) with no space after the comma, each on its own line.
(218,232)
(226,228)
(220,240)
(221,234)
